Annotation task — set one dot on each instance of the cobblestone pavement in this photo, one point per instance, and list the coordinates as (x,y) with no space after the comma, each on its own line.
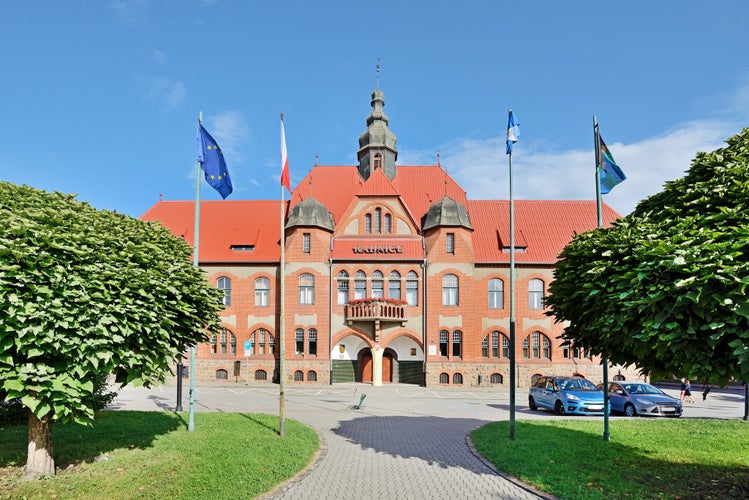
(404,442)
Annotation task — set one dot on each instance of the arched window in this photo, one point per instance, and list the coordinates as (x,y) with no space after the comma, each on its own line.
(496,378)
(536,346)
(444,336)
(496,294)
(449,290)
(299,376)
(495,345)
(394,285)
(224,284)
(457,344)
(536,294)
(222,374)
(378,285)
(224,343)
(261,375)
(311,376)
(458,378)
(444,378)
(261,343)
(342,288)
(262,292)
(378,220)
(299,342)
(360,285)
(306,289)
(412,288)
(312,342)
(368,223)
(388,223)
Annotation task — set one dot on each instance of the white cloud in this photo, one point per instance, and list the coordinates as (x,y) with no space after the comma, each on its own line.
(481,166)
(171,93)
(159,56)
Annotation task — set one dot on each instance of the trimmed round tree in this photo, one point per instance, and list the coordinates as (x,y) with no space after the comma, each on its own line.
(86,292)
(665,288)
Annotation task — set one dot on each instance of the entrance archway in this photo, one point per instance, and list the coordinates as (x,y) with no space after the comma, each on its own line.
(389,359)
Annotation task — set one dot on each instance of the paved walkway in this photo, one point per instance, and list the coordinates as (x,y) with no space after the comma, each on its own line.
(404,442)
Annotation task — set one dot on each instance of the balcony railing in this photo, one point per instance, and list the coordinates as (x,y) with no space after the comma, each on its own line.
(376,310)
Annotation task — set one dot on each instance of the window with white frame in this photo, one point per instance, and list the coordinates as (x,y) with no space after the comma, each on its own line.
(496,294)
(444,337)
(450,243)
(262,292)
(360,285)
(457,344)
(536,294)
(299,342)
(223,343)
(306,289)
(312,342)
(394,285)
(224,284)
(412,288)
(449,290)
(378,285)
(342,288)
(306,242)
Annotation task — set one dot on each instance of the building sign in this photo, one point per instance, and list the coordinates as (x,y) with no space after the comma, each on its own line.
(247,348)
(386,248)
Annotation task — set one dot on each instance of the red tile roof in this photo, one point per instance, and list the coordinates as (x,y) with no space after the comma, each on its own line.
(228,229)
(543,227)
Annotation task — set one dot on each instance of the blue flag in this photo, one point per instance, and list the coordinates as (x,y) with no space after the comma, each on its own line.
(213,164)
(610,173)
(513,131)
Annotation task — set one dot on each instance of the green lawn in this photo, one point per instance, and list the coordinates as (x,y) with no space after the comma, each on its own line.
(151,455)
(645,458)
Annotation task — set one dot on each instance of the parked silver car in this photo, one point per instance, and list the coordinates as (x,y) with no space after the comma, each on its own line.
(639,398)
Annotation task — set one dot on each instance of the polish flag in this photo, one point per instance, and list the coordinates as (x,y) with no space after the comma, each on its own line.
(284,160)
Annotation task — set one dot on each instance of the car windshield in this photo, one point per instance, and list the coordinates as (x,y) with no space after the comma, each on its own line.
(577,384)
(642,389)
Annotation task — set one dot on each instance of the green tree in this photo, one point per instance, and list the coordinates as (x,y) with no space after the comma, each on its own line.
(665,287)
(86,292)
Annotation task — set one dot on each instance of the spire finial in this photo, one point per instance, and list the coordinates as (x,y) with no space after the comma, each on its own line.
(438,158)
(317,158)
(377,84)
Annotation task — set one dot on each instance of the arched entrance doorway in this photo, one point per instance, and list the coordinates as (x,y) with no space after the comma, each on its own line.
(365,365)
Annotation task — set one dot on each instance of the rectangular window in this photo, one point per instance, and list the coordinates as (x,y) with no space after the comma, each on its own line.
(443,343)
(450,243)
(342,292)
(412,292)
(306,242)
(312,340)
(299,341)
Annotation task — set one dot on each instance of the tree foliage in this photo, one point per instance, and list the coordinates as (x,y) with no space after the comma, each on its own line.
(665,287)
(86,292)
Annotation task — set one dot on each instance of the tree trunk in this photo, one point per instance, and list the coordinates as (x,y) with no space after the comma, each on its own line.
(40,461)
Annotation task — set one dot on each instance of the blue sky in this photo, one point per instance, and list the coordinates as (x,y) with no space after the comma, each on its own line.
(101,98)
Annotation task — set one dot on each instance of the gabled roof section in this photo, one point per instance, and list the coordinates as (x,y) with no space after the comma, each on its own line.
(378,185)
(542,228)
(230,231)
(418,186)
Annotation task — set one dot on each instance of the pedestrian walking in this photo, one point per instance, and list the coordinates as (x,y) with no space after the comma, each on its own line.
(686,391)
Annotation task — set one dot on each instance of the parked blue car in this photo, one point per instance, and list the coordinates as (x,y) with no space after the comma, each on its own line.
(639,398)
(573,395)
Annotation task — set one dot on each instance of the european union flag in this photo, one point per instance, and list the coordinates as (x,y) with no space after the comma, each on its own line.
(213,164)
(610,173)
(513,131)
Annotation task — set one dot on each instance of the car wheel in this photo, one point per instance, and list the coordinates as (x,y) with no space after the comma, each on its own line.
(532,403)
(559,407)
(629,410)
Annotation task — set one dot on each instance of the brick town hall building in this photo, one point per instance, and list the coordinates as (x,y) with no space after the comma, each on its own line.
(392,275)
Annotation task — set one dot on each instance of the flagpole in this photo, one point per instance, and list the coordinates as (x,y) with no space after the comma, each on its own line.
(599,209)
(512,302)
(193,355)
(281,368)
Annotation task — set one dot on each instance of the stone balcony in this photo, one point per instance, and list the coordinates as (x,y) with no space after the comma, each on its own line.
(376,310)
